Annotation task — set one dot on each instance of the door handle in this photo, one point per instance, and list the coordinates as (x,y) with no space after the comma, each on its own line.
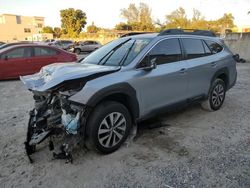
(213,64)
(183,70)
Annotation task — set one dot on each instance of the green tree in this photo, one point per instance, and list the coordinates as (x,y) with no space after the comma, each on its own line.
(226,21)
(57,32)
(139,18)
(146,20)
(72,21)
(198,21)
(177,19)
(131,14)
(47,29)
(123,26)
(92,28)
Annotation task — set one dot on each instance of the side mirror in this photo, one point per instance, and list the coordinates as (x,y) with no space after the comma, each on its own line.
(5,57)
(150,64)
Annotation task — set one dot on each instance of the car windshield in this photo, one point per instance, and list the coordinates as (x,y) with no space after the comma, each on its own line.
(119,52)
(4,46)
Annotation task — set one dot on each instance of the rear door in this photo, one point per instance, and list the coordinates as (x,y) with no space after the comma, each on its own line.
(200,66)
(15,62)
(96,45)
(86,46)
(43,56)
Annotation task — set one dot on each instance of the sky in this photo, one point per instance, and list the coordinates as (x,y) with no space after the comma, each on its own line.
(106,13)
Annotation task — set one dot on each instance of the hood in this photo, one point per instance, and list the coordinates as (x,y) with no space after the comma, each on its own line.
(54,74)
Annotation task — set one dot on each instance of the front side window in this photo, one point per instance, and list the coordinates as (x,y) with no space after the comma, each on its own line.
(214,47)
(119,52)
(167,51)
(44,51)
(17,53)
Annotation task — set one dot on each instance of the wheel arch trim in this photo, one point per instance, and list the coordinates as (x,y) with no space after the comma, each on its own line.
(120,88)
(219,72)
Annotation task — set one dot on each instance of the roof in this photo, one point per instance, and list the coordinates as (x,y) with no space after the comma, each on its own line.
(27,45)
(169,32)
(20,15)
(196,32)
(144,35)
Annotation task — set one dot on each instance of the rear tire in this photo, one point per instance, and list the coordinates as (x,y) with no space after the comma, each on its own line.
(108,127)
(216,96)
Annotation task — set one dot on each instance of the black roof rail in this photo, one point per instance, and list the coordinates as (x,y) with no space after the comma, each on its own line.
(187,32)
(134,33)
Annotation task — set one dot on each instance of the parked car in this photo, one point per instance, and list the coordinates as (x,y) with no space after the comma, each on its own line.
(13,44)
(128,80)
(63,44)
(2,43)
(86,46)
(27,59)
(47,42)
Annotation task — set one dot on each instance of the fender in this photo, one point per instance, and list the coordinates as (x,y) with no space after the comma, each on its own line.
(120,88)
(223,70)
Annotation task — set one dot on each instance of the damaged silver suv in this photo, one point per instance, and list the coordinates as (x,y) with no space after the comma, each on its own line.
(99,100)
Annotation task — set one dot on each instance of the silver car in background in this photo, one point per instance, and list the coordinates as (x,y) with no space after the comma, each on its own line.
(62,44)
(86,46)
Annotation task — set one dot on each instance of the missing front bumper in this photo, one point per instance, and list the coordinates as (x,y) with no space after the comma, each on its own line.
(70,129)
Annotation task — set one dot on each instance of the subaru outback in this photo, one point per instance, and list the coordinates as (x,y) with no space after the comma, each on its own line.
(99,100)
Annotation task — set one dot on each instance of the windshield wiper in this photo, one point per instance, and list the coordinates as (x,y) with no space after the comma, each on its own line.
(124,58)
(108,55)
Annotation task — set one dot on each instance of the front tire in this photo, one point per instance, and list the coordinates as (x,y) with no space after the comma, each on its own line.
(108,127)
(216,96)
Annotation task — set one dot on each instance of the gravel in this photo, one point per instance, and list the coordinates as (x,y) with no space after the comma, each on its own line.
(191,148)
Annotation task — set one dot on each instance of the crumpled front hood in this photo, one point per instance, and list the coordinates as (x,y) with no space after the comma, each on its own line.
(54,74)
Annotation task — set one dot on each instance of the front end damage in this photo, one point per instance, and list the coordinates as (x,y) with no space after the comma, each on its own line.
(55,117)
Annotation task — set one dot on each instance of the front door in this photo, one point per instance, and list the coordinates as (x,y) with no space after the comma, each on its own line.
(15,62)
(167,83)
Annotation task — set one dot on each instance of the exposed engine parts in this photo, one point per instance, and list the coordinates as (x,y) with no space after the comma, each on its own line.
(55,117)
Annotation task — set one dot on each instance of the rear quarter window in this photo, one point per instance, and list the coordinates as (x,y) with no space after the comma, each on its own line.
(214,46)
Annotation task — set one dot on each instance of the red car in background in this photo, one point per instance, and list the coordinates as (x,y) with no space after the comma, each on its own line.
(27,59)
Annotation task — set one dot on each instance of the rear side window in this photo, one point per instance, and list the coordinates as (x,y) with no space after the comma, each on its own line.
(18,53)
(39,51)
(66,42)
(214,46)
(193,48)
(88,42)
(166,51)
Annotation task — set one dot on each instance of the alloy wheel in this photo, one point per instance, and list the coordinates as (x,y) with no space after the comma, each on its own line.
(112,129)
(218,95)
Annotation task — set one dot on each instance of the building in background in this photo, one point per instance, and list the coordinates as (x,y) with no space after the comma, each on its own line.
(21,28)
